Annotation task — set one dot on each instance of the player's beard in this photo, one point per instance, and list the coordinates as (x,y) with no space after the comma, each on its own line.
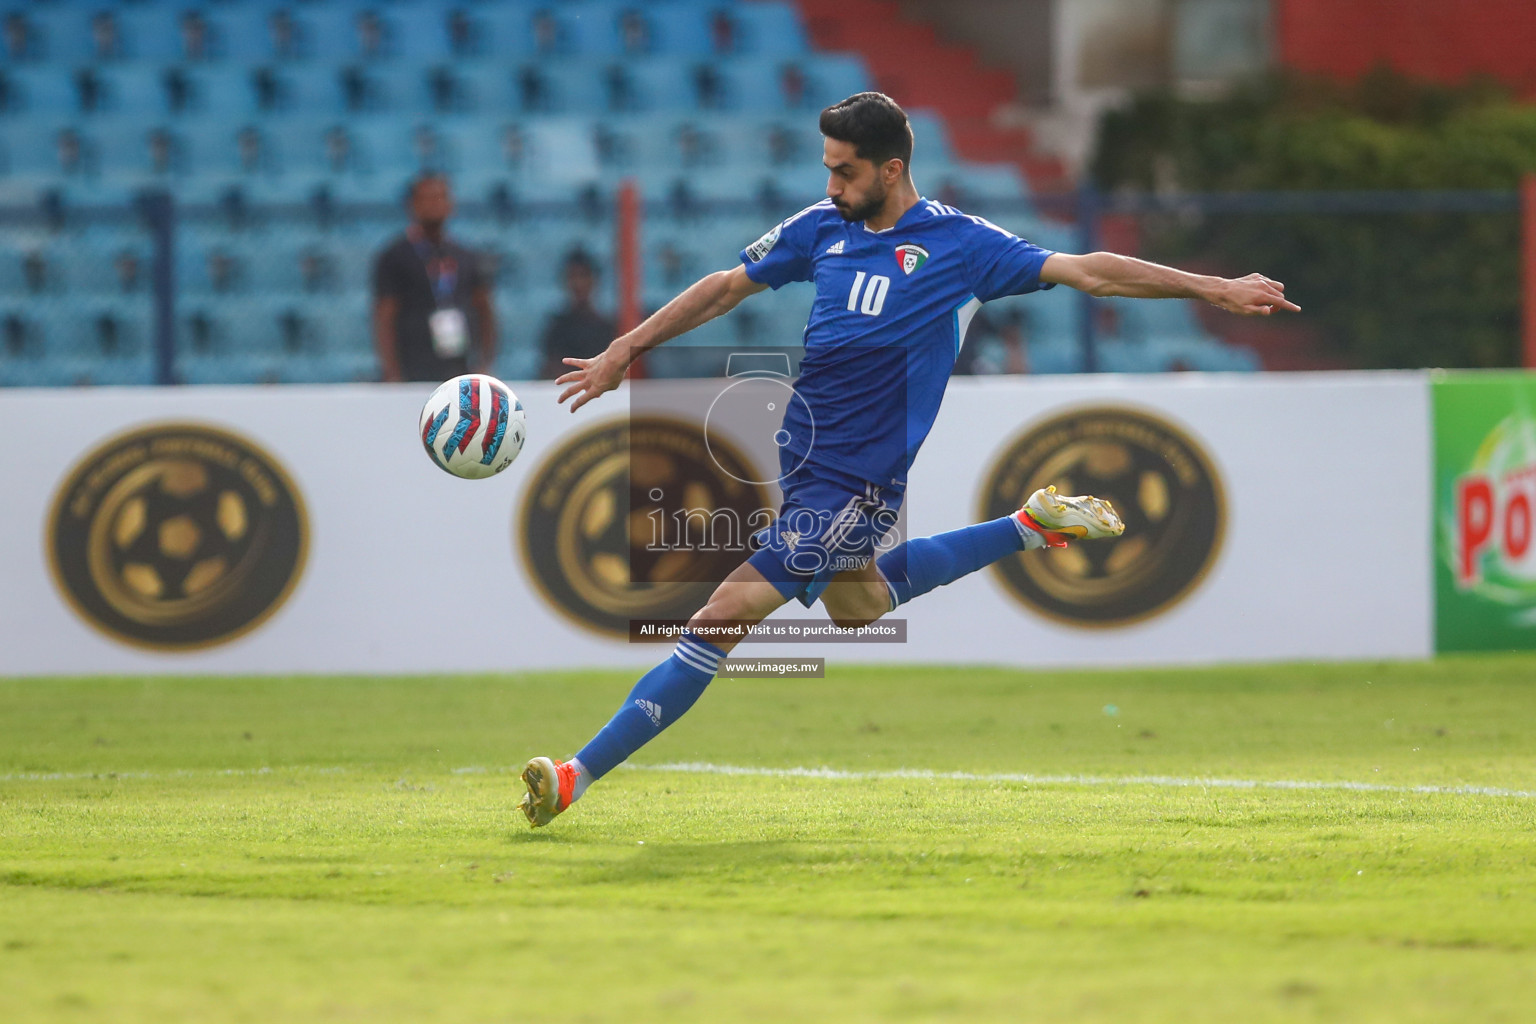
(873,203)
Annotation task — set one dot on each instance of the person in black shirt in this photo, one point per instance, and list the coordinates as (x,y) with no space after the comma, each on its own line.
(577,329)
(431,298)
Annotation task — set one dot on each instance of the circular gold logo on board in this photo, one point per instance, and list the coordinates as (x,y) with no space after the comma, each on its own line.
(638,519)
(177,536)
(1158,479)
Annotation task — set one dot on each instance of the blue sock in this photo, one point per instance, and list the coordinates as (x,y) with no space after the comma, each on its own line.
(923,563)
(658,699)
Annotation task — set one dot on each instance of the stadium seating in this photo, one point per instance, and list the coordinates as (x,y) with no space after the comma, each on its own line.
(537,109)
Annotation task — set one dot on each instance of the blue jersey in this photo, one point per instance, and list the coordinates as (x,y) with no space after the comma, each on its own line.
(891,312)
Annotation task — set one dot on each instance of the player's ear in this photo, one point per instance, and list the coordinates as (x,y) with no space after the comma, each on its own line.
(892,170)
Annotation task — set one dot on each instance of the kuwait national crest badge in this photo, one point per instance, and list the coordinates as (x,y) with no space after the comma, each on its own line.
(911,257)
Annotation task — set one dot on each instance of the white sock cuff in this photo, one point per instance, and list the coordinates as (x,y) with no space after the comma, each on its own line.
(1032,538)
(699,655)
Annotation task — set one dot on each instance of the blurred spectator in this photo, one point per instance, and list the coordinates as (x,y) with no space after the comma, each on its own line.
(514,147)
(793,84)
(73,159)
(995,344)
(431,298)
(317,270)
(226,273)
(105,41)
(634,32)
(676,266)
(251,150)
(428,148)
(372,40)
(339,154)
(531,89)
(708,87)
(163,151)
(621,91)
(35,272)
(194,36)
(20,42)
(444,89)
(88,89)
(546,33)
(722,31)
(284,35)
(783,145)
(693,146)
(462,35)
(129,270)
(577,330)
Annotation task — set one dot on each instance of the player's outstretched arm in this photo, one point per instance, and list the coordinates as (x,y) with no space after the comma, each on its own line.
(1105,273)
(705,299)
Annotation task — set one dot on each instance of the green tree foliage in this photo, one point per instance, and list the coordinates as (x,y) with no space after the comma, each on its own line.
(1432,288)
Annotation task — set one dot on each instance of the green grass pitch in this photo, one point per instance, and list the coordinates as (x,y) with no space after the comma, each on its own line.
(347,849)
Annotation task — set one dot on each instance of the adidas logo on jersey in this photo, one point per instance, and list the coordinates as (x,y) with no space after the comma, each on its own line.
(836,247)
(652,711)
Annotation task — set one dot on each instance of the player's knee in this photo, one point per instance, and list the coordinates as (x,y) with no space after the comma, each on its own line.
(851,610)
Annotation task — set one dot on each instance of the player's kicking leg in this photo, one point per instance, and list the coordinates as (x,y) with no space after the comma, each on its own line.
(660,698)
(826,522)
(910,570)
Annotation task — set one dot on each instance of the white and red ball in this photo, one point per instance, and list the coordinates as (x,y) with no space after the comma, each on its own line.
(473,426)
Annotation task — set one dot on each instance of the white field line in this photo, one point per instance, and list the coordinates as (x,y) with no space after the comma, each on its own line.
(1162,781)
(837,774)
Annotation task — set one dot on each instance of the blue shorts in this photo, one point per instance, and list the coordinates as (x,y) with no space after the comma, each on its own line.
(830,522)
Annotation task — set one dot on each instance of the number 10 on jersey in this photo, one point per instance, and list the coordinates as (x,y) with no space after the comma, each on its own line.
(874,295)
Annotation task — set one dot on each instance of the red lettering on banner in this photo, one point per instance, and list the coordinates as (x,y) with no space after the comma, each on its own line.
(1517,526)
(1474,525)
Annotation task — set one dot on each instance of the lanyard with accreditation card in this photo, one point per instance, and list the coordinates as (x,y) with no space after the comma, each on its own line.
(450,331)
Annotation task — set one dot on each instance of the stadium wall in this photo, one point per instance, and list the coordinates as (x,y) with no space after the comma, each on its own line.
(302,529)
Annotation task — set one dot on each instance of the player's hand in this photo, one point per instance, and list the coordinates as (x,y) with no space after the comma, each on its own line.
(1254,295)
(591,377)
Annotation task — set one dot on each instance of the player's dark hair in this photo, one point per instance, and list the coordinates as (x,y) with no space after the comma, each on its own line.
(873,124)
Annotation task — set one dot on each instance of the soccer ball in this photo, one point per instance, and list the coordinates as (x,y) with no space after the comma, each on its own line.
(473,426)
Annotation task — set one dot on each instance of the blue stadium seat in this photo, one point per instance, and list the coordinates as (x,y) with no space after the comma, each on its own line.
(659,83)
(1054,356)
(590,28)
(679,29)
(151,31)
(139,149)
(389,88)
(418,32)
(46,91)
(768,29)
(64,31)
(575,87)
(505,32)
(241,31)
(486,89)
(328,32)
(312,89)
(930,139)
(220,91)
(831,77)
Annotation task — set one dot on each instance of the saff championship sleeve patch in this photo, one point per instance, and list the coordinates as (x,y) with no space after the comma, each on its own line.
(763,246)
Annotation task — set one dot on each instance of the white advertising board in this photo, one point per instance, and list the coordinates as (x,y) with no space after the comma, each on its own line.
(1272,517)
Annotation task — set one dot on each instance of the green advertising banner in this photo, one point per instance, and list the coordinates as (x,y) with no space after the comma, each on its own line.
(1485,494)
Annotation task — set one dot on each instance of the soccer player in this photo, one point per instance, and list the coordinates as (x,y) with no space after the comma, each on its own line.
(898,278)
